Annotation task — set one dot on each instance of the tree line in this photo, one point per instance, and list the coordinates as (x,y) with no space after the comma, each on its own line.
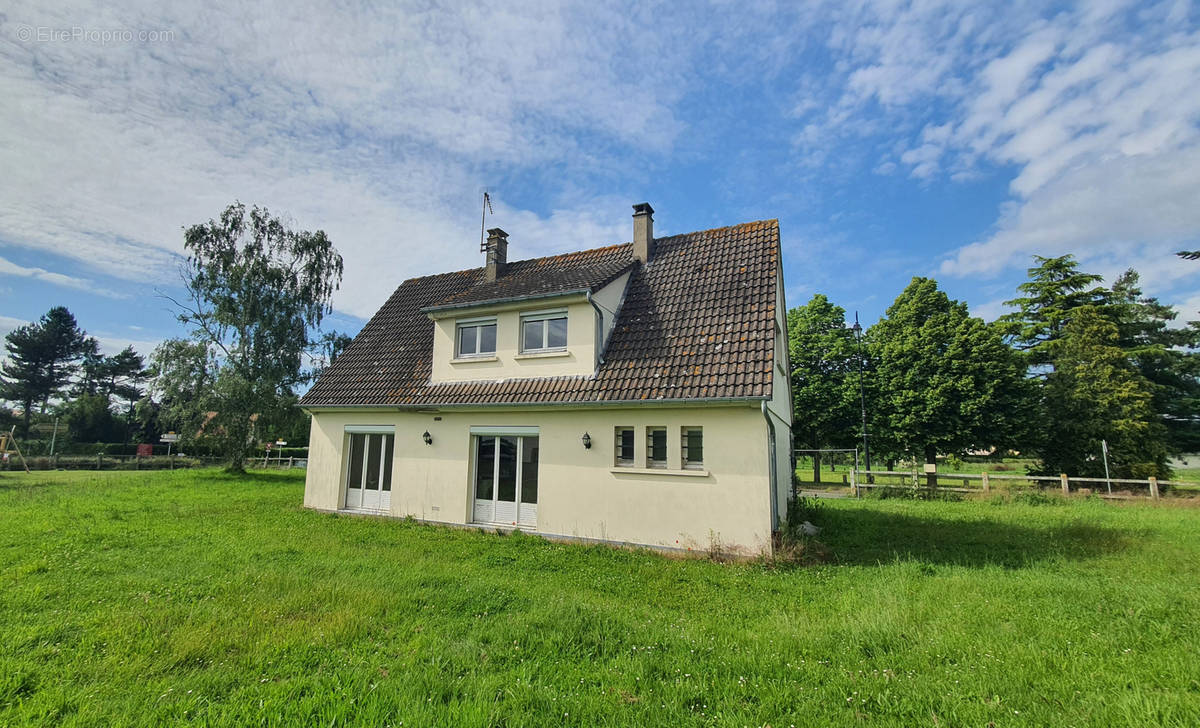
(256,292)
(1074,365)
(53,365)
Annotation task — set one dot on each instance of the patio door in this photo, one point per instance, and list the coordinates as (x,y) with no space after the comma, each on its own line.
(506,479)
(369,471)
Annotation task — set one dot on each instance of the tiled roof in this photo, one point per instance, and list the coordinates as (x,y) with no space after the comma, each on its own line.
(698,322)
(586,270)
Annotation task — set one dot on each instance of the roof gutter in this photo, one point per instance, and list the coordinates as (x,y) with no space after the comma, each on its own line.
(599,330)
(537,405)
(772,468)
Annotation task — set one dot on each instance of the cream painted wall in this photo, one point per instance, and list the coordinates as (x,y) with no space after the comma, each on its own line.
(579,495)
(578,360)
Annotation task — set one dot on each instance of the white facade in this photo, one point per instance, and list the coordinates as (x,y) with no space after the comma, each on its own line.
(581,492)
(686,474)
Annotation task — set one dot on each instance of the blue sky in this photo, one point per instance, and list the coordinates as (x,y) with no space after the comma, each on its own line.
(891,139)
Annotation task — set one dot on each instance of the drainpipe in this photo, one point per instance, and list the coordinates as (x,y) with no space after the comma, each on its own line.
(599,329)
(772,468)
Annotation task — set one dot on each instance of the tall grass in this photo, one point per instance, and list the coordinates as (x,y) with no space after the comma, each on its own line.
(165,598)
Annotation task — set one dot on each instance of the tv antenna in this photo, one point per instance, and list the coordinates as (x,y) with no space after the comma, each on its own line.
(487,207)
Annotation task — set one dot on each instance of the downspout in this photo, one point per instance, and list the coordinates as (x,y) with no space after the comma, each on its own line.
(772,467)
(599,330)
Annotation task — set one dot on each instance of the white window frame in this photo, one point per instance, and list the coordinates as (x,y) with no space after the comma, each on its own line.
(523,435)
(650,461)
(683,448)
(477,324)
(543,316)
(618,461)
(385,479)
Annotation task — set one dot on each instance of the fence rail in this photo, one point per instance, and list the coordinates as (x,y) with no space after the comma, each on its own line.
(132,462)
(861,480)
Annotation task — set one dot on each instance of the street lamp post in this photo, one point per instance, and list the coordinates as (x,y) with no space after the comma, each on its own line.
(862,393)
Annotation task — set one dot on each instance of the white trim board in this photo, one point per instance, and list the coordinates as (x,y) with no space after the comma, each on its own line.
(504,430)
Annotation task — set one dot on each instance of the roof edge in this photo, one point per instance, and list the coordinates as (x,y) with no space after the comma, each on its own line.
(566,403)
(507,299)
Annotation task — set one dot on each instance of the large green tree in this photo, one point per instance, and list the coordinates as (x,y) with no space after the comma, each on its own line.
(181,373)
(1055,289)
(257,291)
(42,360)
(1094,394)
(1165,355)
(944,381)
(89,418)
(824,384)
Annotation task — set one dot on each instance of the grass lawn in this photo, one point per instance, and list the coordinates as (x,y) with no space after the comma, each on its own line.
(162,598)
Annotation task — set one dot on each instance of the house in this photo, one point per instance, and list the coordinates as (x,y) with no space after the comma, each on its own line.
(637,393)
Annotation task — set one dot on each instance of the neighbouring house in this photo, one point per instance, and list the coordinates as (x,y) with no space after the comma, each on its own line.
(637,393)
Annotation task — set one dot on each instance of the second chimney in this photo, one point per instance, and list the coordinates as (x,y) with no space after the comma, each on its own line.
(497,253)
(643,232)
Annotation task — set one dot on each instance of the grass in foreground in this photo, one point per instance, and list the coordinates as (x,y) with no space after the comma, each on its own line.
(161,598)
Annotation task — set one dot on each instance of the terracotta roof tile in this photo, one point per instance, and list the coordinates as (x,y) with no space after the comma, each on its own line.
(697,322)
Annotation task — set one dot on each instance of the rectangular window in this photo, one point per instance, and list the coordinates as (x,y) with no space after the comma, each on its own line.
(370,462)
(506,486)
(506,476)
(656,447)
(544,331)
(485,462)
(529,469)
(624,446)
(476,338)
(692,439)
(354,478)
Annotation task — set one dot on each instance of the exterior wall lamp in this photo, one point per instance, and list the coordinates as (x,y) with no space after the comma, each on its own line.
(427,438)
(587,441)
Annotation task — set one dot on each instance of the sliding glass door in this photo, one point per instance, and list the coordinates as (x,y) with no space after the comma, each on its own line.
(369,471)
(506,479)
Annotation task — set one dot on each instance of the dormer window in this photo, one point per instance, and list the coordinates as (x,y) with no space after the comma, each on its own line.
(543,331)
(476,337)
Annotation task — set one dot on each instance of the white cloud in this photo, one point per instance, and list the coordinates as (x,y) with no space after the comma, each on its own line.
(1145,204)
(9,268)
(376,125)
(380,124)
(110,343)
(1095,107)
(8,323)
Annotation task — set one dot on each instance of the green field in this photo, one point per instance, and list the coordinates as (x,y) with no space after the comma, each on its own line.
(166,598)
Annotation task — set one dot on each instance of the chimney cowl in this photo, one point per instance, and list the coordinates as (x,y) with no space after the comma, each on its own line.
(497,253)
(643,232)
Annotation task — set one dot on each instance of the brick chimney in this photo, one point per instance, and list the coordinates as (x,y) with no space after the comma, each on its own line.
(643,232)
(497,253)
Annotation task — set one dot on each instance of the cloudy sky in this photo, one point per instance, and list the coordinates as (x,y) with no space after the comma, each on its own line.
(891,139)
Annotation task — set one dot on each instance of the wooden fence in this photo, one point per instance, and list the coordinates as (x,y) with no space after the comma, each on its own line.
(1117,488)
(131,462)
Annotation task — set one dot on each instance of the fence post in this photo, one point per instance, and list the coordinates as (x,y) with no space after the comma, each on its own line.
(1154,487)
(290,461)
(1065,486)
(987,486)
(99,462)
(854,482)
